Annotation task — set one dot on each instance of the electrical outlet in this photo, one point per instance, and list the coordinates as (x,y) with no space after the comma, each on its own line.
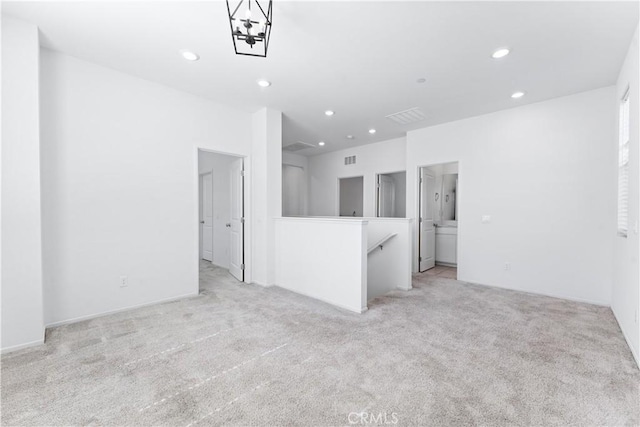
(124,281)
(507,266)
(486,219)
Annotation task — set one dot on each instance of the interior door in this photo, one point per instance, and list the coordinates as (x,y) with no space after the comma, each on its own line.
(236,248)
(386,197)
(206,221)
(427,228)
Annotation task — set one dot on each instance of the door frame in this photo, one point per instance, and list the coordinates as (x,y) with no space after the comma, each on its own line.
(377,190)
(247,211)
(417,194)
(338,192)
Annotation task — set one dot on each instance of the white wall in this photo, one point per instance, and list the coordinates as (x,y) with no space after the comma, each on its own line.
(219,165)
(372,159)
(626,280)
(295,159)
(388,268)
(544,172)
(266,183)
(22,319)
(119,194)
(323,258)
(301,186)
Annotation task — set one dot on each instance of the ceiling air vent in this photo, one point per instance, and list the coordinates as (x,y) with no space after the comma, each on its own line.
(297,146)
(351,160)
(407,117)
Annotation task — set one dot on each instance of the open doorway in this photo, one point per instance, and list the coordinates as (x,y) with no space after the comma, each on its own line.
(438,220)
(221,215)
(351,196)
(294,191)
(391,195)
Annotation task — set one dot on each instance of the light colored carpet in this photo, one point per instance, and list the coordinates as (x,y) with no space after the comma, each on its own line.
(444,353)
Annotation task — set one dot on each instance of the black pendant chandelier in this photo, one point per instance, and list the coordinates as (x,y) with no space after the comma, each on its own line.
(250,27)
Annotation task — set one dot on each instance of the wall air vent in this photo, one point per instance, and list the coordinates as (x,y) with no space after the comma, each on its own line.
(297,146)
(351,160)
(407,117)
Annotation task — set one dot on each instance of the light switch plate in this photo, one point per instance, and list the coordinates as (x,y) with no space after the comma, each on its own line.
(486,219)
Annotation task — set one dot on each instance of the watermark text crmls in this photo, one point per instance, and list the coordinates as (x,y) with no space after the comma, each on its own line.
(373,418)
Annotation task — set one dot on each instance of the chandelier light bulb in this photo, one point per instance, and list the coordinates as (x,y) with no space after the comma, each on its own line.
(250,26)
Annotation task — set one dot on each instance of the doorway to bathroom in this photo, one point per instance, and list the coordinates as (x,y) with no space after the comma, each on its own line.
(438,220)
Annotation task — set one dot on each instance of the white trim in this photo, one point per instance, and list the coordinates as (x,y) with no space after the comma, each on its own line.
(635,355)
(347,220)
(220,265)
(22,346)
(334,304)
(543,294)
(119,310)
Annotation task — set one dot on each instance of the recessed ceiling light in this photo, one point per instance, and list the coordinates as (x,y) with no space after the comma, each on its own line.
(190,56)
(350,137)
(372,131)
(517,95)
(264,83)
(421,80)
(500,53)
(329,113)
(321,143)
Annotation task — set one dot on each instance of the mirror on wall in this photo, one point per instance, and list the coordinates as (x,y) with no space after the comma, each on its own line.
(448,197)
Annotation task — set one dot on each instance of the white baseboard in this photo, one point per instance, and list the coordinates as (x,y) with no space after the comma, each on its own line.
(22,346)
(544,294)
(626,338)
(119,310)
(226,267)
(342,306)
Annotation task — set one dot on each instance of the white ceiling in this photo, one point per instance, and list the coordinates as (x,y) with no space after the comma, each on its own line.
(361,59)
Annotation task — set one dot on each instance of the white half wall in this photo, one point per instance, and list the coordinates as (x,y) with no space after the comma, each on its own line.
(22,319)
(544,173)
(325,170)
(120,186)
(323,258)
(626,280)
